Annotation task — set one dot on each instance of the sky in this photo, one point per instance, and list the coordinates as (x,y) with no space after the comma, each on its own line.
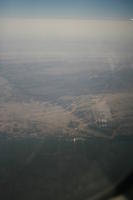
(92,9)
(70,26)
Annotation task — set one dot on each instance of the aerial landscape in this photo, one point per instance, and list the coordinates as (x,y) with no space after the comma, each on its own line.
(89,96)
(66,99)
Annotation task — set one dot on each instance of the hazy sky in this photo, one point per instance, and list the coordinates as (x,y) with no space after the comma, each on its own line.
(65,26)
(64,35)
(67,8)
